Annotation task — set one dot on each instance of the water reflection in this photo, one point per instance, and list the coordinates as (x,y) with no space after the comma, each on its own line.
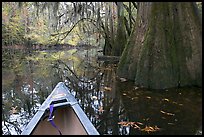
(114,106)
(172,112)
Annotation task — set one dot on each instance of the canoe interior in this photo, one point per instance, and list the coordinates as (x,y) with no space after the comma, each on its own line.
(65,119)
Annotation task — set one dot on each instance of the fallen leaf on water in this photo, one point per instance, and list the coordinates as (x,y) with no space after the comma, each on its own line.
(174,102)
(163,112)
(107,88)
(150,129)
(139,123)
(123,79)
(156,128)
(166,99)
(134,98)
(148,97)
(126,123)
(170,123)
(101,109)
(167,113)
(136,88)
(123,123)
(124,94)
(136,126)
(94,97)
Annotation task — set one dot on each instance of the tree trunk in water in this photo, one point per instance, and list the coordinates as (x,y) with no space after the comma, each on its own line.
(120,40)
(165,48)
(107,47)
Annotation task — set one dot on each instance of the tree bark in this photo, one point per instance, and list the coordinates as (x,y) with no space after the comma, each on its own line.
(165,48)
(121,37)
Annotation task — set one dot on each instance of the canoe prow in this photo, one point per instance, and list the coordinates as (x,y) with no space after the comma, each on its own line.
(69,117)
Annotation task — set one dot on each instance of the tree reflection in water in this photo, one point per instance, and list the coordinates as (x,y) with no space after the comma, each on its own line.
(115,106)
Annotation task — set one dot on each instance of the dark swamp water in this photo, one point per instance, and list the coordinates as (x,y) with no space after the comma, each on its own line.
(114,105)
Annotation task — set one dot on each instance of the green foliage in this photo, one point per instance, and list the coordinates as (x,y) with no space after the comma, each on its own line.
(38,32)
(13,28)
(46,23)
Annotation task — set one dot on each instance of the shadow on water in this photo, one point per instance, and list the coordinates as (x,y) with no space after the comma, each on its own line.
(115,106)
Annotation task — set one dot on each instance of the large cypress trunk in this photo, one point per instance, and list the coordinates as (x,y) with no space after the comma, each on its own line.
(165,49)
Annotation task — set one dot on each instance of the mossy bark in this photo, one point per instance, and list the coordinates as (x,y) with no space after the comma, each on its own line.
(165,49)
